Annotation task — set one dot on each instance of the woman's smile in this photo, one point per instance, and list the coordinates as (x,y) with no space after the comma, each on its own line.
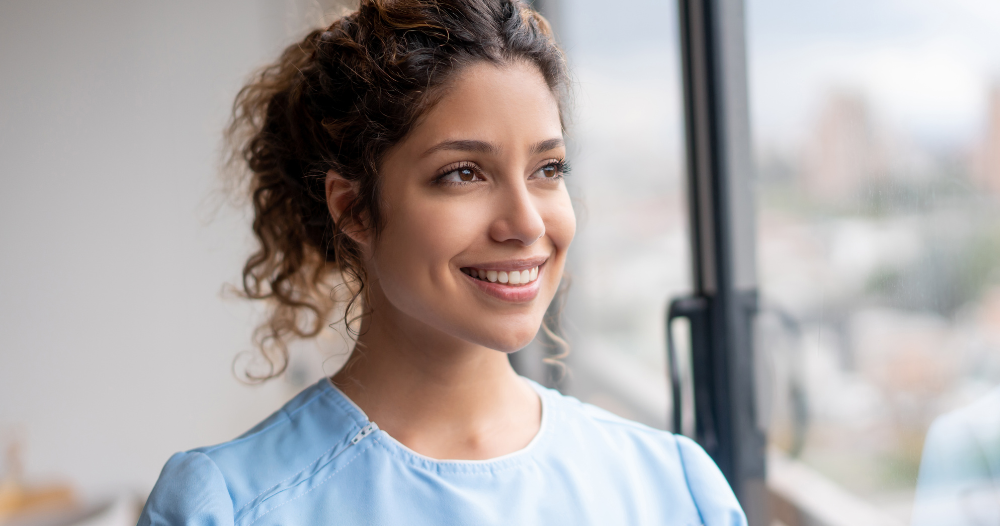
(514,281)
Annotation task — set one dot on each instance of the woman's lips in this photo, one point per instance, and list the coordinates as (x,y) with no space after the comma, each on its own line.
(516,286)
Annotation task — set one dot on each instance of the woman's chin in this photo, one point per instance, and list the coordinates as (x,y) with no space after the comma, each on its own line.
(512,342)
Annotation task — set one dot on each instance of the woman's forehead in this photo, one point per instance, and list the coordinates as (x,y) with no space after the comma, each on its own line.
(501,107)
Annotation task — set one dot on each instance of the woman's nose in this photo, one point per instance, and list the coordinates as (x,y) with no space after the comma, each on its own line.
(518,218)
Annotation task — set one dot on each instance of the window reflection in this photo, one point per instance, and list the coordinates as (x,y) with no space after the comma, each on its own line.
(877,136)
(631,251)
(959,480)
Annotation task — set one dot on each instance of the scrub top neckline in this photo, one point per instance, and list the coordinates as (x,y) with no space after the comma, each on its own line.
(508,460)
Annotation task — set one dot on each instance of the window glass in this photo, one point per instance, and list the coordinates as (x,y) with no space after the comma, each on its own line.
(631,252)
(876,131)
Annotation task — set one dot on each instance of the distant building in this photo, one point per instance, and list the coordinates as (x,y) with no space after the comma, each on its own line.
(987,172)
(840,154)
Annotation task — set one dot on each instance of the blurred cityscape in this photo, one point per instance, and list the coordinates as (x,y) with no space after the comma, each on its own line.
(877,153)
(888,256)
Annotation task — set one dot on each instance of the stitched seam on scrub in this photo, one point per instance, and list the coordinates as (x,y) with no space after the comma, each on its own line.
(286,479)
(321,392)
(687,482)
(324,481)
(299,472)
(290,477)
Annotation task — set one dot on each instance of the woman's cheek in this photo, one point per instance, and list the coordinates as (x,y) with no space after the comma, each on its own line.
(451,227)
(420,248)
(560,223)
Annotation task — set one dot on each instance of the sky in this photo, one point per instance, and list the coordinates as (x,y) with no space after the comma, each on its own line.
(924,66)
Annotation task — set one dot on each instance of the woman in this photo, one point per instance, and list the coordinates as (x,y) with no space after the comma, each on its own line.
(415,149)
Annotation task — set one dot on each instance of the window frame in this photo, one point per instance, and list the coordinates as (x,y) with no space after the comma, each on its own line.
(722,232)
(723,237)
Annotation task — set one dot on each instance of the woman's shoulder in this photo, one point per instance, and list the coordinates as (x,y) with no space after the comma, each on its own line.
(217,481)
(661,458)
(588,420)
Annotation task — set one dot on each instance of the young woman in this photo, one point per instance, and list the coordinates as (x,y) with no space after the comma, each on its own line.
(414,150)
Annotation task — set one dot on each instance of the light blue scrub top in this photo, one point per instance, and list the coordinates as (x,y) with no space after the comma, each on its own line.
(320,461)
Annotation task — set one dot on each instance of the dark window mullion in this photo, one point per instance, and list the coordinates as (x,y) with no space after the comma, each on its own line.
(722,234)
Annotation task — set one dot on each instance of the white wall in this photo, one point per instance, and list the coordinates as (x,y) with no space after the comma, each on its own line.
(116,345)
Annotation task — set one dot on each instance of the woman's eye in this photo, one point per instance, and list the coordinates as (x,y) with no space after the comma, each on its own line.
(549,171)
(460,175)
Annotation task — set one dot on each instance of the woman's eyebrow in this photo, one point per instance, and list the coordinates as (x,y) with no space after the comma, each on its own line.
(546,145)
(464,146)
(490,148)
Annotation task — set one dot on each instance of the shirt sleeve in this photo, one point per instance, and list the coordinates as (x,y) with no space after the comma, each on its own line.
(191,491)
(711,493)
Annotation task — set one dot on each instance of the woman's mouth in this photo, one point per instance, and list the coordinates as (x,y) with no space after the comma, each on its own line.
(514,285)
(504,277)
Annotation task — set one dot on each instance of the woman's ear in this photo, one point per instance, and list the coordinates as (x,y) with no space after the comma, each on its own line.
(340,195)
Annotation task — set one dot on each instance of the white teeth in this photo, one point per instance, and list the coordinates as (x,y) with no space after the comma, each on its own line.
(513,277)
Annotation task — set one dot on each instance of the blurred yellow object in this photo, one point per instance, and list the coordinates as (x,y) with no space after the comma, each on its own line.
(18,500)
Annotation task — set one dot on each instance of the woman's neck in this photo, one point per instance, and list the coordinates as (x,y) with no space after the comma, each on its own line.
(440,396)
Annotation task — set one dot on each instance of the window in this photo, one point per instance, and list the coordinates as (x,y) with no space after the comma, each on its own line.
(837,185)
(876,131)
(631,251)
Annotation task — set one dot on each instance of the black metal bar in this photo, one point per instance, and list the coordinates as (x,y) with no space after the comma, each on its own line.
(694,308)
(722,236)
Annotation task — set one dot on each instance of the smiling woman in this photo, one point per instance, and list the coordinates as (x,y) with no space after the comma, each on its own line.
(477,184)
(415,149)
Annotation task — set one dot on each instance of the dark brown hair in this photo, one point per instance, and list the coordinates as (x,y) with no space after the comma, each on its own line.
(339,100)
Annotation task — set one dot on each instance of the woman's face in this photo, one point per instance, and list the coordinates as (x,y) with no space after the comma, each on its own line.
(478,219)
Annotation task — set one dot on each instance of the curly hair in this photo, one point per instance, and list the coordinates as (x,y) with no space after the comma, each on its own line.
(339,100)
